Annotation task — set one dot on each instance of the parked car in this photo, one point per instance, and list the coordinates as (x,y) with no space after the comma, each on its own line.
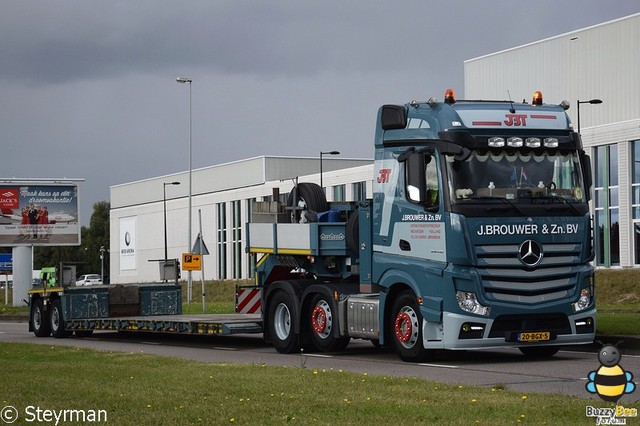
(89,279)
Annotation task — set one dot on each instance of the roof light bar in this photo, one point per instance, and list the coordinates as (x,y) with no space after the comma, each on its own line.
(551,142)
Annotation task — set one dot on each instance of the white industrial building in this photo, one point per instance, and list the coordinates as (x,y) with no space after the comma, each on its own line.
(599,62)
(221,200)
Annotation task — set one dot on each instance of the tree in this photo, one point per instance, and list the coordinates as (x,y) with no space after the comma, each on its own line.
(87,255)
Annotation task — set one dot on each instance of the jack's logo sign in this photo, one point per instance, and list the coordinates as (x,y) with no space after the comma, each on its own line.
(9,198)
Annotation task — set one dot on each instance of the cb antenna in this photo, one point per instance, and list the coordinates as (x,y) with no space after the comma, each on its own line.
(512,110)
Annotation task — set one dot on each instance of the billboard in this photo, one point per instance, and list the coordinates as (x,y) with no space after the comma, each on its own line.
(40,215)
(128,255)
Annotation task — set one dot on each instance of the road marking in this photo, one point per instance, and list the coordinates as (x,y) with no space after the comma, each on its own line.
(439,365)
(319,355)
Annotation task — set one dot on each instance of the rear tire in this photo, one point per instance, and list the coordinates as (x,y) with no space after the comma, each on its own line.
(57,320)
(39,320)
(322,326)
(282,320)
(406,325)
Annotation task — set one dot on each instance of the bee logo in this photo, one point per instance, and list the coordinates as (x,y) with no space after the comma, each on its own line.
(610,381)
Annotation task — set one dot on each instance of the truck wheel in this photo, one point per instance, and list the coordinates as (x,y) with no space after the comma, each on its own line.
(406,324)
(39,321)
(57,321)
(312,196)
(540,351)
(282,318)
(322,326)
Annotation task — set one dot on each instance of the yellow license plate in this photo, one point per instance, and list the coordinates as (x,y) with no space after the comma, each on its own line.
(539,336)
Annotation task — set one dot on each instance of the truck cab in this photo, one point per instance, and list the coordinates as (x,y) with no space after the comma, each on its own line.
(485,206)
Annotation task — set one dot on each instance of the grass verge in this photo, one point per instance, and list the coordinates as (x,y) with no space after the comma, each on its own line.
(141,389)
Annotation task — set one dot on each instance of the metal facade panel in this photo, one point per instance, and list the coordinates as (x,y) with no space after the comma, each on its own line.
(595,62)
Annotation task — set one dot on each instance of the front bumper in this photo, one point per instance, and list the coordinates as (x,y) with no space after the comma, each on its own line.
(485,333)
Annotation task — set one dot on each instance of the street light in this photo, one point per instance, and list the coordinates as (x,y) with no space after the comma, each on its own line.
(325,153)
(590,101)
(189,248)
(164,203)
(102,250)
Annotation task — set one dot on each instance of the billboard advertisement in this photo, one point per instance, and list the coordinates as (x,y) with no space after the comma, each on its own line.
(39,214)
(128,260)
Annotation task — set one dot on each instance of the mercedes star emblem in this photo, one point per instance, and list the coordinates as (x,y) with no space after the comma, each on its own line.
(530,253)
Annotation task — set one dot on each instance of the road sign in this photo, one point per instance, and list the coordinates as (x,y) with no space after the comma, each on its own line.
(191,262)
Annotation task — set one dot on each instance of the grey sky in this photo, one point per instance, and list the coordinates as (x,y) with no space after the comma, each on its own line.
(88,87)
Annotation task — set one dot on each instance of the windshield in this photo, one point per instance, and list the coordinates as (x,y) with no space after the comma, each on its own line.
(517,176)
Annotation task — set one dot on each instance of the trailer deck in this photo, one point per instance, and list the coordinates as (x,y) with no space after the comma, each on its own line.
(203,324)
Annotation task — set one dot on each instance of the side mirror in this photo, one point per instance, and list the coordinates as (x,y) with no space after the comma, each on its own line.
(585,161)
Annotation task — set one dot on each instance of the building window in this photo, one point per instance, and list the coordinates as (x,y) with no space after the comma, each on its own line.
(635,199)
(338,193)
(359,191)
(236,239)
(222,241)
(607,208)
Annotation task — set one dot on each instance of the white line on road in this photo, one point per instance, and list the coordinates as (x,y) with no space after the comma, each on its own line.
(439,365)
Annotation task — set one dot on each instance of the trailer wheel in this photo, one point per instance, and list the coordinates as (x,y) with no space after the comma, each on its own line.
(39,321)
(282,318)
(406,323)
(322,326)
(539,352)
(57,321)
(313,198)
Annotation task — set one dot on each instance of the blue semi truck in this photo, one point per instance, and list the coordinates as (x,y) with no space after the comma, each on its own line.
(478,235)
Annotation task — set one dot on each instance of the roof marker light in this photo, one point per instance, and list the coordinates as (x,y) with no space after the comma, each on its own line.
(496,142)
(551,142)
(537,98)
(514,142)
(449,97)
(533,142)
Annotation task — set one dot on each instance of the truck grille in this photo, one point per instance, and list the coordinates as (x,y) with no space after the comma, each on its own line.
(506,279)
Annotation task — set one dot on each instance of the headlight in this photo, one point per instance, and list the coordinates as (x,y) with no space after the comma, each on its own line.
(583,301)
(468,302)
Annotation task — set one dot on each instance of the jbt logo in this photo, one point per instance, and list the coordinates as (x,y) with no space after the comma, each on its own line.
(383,177)
(515,120)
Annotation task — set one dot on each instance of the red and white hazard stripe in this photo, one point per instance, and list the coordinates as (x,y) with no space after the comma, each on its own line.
(248,300)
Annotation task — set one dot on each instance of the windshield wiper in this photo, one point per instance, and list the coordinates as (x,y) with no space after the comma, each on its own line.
(562,200)
(502,200)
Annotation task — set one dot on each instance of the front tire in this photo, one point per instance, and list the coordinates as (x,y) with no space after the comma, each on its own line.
(39,320)
(57,320)
(282,320)
(322,326)
(406,324)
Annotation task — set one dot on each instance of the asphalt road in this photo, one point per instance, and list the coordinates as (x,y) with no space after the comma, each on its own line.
(565,373)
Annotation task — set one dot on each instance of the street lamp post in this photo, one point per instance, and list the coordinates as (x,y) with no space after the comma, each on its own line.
(102,250)
(164,204)
(590,101)
(325,153)
(189,248)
